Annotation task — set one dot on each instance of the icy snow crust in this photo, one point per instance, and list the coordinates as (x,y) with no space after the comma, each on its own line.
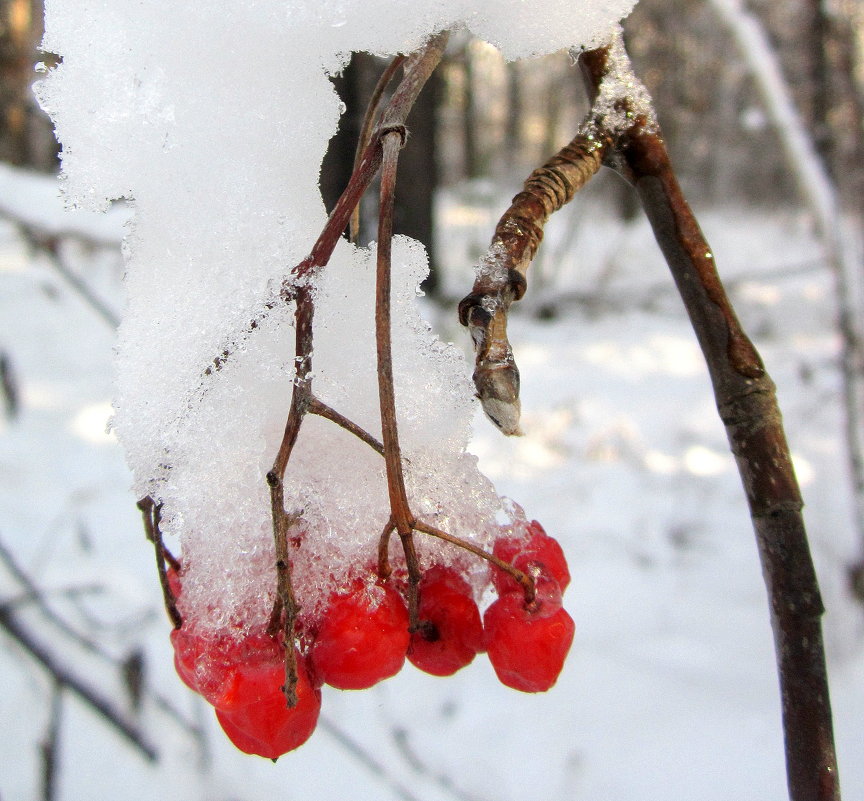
(213,118)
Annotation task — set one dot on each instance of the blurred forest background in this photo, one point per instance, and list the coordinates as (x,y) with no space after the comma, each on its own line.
(482,118)
(479,128)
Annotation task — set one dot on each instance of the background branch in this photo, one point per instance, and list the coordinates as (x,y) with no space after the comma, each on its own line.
(9,620)
(129,729)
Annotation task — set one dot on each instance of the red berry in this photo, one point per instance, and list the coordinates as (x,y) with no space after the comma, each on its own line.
(225,670)
(267,726)
(174,581)
(535,552)
(527,647)
(362,637)
(454,633)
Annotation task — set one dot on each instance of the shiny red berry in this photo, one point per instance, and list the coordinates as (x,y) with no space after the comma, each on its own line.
(453,631)
(225,669)
(362,637)
(267,726)
(527,646)
(535,552)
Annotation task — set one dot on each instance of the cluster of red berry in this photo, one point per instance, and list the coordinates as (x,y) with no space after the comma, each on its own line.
(363,637)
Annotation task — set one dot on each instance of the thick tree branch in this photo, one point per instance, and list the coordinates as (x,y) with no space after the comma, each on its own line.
(624,135)
(747,404)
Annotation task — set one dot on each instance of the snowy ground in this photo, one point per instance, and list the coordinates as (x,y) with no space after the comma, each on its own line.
(670,691)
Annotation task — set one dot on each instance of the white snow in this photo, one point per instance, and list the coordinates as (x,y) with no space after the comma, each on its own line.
(211,120)
(214,127)
(670,690)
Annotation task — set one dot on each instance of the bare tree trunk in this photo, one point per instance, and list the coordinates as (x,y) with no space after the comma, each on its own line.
(470,144)
(26,137)
(513,130)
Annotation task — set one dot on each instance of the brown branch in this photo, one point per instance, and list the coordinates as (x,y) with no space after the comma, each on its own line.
(323,410)
(366,131)
(103,706)
(384,568)
(524,580)
(151,512)
(502,275)
(297,287)
(400,511)
(747,404)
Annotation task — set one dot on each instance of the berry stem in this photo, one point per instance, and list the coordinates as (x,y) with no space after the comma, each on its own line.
(382,147)
(323,410)
(525,581)
(384,569)
(151,512)
(399,508)
(366,131)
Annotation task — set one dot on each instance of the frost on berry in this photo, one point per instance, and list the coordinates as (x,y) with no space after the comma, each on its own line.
(266,726)
(533,551)
(361,638)
(225,670)
(527,645)
(452,632)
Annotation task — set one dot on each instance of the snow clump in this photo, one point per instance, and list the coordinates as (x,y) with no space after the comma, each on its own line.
(212,119)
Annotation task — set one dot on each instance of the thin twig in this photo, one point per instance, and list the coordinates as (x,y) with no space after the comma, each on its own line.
(366,130)
(152,513)
(365,758)
(35,594)
(400,511)
(9,386)
(50,245)
(384,568)
(297,287)
(323,410)
(524,580)
(415,761)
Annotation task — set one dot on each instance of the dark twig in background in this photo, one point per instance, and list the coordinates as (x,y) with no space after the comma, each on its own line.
(61,673)
(52,653)
(50,745)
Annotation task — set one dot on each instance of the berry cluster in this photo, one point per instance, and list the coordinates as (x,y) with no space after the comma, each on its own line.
(364,636)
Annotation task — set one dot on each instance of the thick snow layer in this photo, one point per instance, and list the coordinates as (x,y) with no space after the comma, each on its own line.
(214,126)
